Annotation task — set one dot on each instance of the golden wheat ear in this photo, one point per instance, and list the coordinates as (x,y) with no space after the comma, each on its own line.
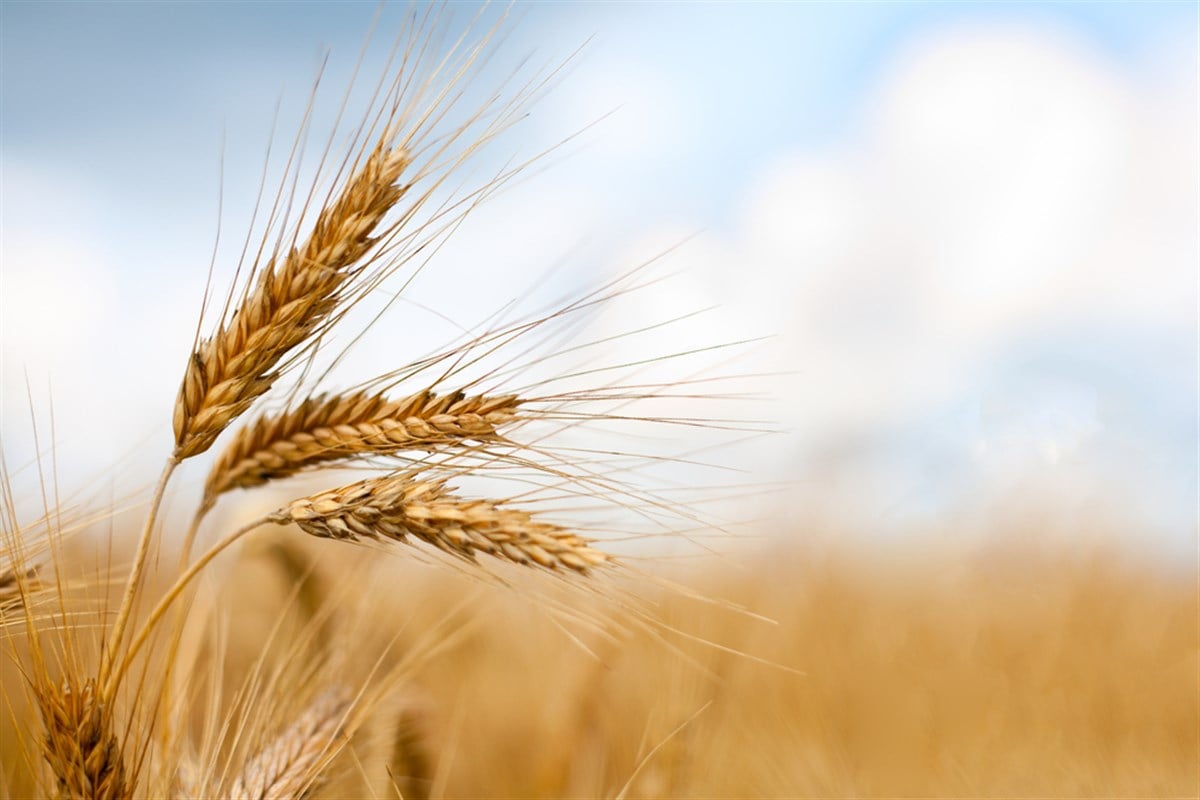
(80,746)
(296,294)
(325,429)
(399,506)
(293,763)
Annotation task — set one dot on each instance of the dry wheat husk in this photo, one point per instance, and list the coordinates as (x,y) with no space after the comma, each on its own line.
(324,429)
(399,506)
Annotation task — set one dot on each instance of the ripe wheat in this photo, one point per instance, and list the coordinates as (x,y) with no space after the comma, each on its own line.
(399,506)
(291,764)
(289,304)
(80,746)
(325,429)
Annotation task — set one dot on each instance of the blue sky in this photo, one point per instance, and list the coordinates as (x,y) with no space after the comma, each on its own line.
(982,213)
(762,77)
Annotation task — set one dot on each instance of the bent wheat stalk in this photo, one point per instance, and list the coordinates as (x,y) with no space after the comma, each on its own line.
(399,506)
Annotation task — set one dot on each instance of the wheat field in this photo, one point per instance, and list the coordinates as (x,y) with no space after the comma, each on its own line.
(419,584)
(1001,674)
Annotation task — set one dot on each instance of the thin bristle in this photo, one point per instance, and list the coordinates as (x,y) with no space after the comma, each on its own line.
(293,297)
(80,745)
(399,506)
(326,429)
(289,767)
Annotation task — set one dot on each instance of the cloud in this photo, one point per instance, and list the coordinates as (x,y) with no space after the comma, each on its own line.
(1008,196)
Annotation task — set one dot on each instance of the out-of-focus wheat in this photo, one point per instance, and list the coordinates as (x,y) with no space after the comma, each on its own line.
(11,590)
(411,767)
(292,763)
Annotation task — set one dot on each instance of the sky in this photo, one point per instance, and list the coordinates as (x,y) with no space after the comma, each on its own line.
(970,231)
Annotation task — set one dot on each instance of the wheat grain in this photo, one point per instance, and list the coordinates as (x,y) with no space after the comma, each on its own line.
(292,763)
(80,746)
(294,296)
(335,428)
(399,506)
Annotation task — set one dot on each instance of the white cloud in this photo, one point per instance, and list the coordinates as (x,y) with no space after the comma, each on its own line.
(1005,186)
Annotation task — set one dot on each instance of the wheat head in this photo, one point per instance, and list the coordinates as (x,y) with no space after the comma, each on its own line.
(288,767)
(80,745)
(292,299)
(399,506)
(324,429)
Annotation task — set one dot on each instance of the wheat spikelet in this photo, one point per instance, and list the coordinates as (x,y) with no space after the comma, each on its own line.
(339,427)
(291,301)
(80,746)
(399,506)
(288,767)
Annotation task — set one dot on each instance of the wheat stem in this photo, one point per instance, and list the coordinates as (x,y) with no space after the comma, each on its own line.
(108,687)
(173,593)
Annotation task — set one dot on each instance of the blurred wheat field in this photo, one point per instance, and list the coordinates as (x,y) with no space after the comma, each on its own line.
(820,671)
(1021,675)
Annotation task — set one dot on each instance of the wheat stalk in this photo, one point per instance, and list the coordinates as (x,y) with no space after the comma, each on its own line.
(339,427)
(80,746)
(291,763)
(399,506)
(290,302)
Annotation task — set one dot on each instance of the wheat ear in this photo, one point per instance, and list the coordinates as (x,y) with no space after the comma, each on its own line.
(399,506)
(289,766)
(340,427)
(80,746)
(291,301)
